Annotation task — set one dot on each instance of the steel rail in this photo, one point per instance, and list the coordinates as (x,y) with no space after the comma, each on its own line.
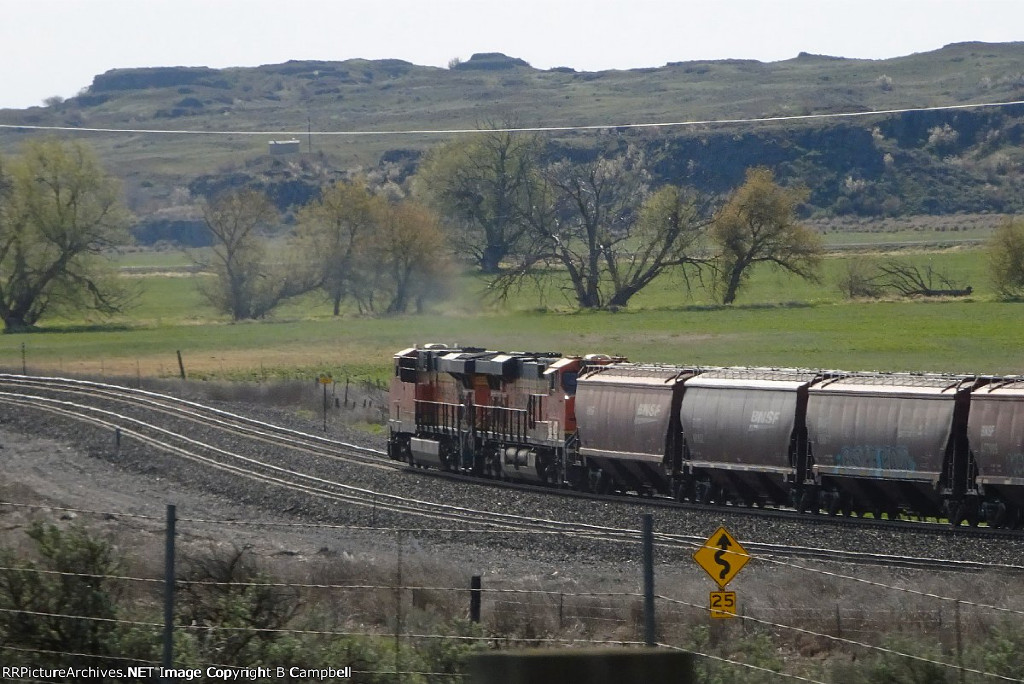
(339,492)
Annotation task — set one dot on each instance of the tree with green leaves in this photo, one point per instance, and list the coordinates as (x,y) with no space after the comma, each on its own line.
(479,182)
(387,257)
(1006,259)
(336,234)
(250,281)
(60,214)
(410,258)
(758,225)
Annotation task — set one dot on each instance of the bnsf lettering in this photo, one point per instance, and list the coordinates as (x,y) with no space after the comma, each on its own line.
(765,417)
(648,410)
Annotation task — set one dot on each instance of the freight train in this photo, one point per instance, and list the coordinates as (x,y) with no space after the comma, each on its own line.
(888,444)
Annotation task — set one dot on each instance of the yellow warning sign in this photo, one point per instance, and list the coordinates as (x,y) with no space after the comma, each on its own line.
(721,557)
(723,604)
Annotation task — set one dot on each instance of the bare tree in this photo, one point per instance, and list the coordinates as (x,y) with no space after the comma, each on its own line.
(913,281)
(859,279)
(594,224)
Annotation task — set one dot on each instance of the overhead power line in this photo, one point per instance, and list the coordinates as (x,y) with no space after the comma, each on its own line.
(526,129)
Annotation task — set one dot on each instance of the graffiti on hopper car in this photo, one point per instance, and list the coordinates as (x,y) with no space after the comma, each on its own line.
(882,457)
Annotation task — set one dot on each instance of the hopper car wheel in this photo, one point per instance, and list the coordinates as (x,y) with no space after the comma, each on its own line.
(965,511)
(720,497)
(834,504)
(702,493)
(1006,517)
(849,506)
(957,517)
(996,513)
(1013,518)
(808,501)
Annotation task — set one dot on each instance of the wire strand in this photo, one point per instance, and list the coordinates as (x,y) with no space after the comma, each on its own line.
(848,642)
(525,129)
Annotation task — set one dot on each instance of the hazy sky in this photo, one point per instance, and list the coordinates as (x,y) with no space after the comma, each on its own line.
(55,47)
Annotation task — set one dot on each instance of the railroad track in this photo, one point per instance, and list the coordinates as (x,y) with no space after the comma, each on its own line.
(782,514)
(262,470)
(181,409)
(142,416)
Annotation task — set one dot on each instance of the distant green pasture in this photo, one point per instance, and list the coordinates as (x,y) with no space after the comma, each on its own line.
(779,320)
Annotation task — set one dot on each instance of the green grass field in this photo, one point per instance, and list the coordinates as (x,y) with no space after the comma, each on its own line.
(779,321)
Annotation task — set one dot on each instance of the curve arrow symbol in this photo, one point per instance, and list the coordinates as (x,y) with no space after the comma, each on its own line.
(723,545)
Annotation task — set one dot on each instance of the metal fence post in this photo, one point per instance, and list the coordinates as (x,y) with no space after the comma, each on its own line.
(648,555)
(168,659)
(960,645)
(474,599)
(398,611)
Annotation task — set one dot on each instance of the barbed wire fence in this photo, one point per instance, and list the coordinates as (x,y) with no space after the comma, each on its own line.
(392,604)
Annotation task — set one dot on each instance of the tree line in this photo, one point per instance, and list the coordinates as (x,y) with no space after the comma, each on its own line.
(384,256)
(588,222)
(592,218)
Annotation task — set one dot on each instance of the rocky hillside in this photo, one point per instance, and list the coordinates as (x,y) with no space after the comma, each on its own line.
(217,124)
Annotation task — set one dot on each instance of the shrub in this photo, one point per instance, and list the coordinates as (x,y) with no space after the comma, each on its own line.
(1006,259)
(34,600)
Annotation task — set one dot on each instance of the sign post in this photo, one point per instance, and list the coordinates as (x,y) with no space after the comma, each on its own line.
(722,557)
(325,380)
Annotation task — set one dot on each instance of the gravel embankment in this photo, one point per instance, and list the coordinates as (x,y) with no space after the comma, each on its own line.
(54,460)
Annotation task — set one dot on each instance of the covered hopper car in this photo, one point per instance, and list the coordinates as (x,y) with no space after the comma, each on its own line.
(837,442)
